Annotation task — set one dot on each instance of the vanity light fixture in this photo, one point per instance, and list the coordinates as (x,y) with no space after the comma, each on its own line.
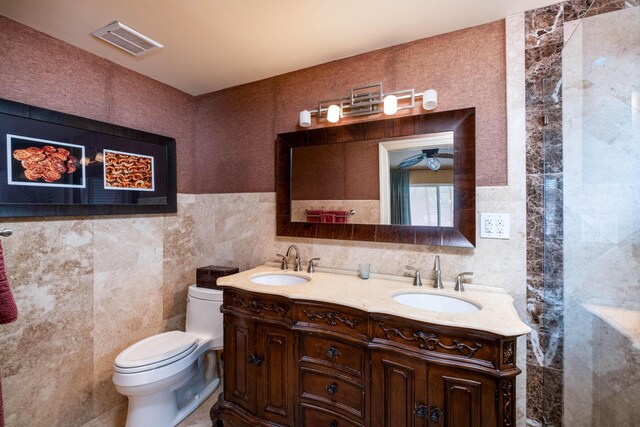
(390,105)
(365,100)
(333,113)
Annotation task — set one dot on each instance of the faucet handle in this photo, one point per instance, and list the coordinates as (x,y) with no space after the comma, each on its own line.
(416,278)
(436,263)
(459,281)
(283,262)
(310,267)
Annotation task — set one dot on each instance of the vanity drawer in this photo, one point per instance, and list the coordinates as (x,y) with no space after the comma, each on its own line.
(333,391)
(447,343)
(257,305)
(319,417)
(315,348)
(333,319)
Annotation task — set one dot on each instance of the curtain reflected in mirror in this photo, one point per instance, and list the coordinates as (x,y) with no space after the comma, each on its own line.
(400,197)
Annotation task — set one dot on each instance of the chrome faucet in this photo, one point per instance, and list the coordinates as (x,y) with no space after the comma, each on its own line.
(438,273)
(297,265)
(459,281)
(311,267)
(416,278)
(284,265)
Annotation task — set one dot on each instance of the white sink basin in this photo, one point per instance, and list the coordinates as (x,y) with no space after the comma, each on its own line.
(279,279)
(439,303)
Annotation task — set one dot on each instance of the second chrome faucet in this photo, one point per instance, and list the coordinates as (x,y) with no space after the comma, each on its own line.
(284,265)
(437,281)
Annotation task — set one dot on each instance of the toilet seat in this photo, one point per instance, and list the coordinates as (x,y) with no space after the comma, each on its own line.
(156,351)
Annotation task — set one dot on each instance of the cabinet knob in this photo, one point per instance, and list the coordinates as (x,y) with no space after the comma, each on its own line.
(435,414)
(421,411)
(256,360)
(332,389)
(332,352)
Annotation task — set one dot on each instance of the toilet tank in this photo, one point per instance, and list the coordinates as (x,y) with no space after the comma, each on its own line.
(203,311)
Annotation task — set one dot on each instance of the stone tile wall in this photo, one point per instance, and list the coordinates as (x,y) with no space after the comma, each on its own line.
(545,37)
(86,289)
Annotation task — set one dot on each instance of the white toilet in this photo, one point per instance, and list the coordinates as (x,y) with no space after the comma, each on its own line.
(167,376)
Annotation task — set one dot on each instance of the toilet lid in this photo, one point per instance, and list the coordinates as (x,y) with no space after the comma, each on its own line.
(158,348)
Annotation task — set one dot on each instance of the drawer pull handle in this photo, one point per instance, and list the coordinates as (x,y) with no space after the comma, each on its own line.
(256,360)
(332,389)
(435,414)
(421,411)
(333,352)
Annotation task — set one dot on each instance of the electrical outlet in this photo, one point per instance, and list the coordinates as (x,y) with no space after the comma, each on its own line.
(494,226)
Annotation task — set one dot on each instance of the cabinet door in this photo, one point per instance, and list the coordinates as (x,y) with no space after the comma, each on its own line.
(398,390)
(275,373)
(459,398)
(239,378)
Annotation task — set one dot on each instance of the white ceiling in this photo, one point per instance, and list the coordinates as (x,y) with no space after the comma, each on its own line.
(215,44)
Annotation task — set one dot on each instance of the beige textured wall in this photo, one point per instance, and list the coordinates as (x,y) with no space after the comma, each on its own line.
(236,127)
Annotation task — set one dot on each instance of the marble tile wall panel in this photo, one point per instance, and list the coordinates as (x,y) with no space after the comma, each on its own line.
(235,229)
(543,26)
(50,266)
(179,262)
(123,314)
(86,288)
(578,9)
(543,76)
(548,30)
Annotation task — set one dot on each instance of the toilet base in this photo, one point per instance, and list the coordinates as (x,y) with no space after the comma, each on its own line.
(196,401)
(168,408)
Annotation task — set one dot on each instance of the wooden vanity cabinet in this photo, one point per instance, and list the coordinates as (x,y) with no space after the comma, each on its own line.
(258,359)
(301,363)
(399,386)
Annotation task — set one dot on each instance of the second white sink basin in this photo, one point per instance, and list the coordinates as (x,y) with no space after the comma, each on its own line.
(279,279)
(439,303)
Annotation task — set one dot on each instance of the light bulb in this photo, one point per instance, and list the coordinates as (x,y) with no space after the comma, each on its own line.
(429,99)
(333,113)
(305,119)
(390,105)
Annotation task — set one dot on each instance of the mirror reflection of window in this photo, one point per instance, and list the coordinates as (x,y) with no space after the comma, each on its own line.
(416,181)
(431,205)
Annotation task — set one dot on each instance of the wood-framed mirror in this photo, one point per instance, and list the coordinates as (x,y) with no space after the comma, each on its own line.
(341,169)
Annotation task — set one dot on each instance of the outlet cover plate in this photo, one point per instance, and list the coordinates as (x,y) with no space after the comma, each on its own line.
(494,225)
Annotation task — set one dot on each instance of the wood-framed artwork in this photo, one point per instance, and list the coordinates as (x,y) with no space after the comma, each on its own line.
(57,164)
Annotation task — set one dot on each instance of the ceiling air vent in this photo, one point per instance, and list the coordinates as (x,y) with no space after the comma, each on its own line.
(126,38)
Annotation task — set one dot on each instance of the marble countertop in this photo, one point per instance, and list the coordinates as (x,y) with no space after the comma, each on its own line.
(627,322)
(375,295)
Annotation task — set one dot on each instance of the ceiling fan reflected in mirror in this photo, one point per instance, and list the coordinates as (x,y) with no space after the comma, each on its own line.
(430,156)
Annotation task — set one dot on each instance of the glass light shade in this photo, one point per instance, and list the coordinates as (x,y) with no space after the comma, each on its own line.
(429,99)
(333,113)
(305,119)
(390,105)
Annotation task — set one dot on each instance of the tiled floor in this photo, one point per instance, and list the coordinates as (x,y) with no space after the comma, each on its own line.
(200,417)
